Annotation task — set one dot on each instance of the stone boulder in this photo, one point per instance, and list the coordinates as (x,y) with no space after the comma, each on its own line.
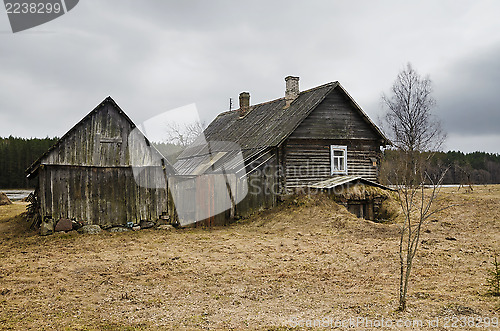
(64,224)
(146,224)
(91,229)
(165,227)
(77,224)
(119,229)
(4,199)
(47,227)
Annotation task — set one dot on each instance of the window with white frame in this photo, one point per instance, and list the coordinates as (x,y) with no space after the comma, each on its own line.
(338,156)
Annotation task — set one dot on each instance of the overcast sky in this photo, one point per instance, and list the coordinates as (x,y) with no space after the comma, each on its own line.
(156,55)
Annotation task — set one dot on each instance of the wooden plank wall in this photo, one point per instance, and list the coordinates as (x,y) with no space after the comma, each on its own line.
(263,190)
(106,196)
(104,139)
(203,200)
(206,198)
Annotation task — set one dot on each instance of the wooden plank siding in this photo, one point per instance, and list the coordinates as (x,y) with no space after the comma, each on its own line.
(206,199)
(107,196)
(103,172)
(263,188)
(102,140)
(202,200)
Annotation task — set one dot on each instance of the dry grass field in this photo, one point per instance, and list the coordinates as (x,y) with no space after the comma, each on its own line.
(307,260)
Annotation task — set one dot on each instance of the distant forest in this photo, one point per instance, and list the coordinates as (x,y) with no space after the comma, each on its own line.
(17,154)
(470,168)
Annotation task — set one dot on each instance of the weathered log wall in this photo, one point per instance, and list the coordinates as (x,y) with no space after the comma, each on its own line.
(308,161)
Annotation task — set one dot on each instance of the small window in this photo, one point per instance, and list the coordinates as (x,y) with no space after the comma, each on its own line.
(338,156)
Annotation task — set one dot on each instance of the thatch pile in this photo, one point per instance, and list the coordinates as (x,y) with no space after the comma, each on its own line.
(4,199)
(361,192)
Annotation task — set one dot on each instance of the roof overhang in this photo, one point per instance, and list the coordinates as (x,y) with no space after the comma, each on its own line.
(342,180)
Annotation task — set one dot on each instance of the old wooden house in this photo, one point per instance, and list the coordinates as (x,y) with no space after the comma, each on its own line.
(102,171)
(314,139)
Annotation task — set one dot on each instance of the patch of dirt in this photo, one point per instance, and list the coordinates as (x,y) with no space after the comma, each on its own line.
(307,259)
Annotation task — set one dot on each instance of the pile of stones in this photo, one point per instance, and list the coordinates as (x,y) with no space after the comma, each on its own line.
(49,227)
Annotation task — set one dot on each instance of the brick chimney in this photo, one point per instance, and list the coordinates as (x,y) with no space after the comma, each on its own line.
(292,89)
(244,103)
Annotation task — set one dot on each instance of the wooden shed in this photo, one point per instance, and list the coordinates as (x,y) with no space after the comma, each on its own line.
(291,143)
(102,171)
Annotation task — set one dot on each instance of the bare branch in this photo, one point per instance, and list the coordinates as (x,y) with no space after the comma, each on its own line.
(183,135)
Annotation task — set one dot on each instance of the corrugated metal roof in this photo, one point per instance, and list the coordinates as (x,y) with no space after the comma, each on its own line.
(233,161)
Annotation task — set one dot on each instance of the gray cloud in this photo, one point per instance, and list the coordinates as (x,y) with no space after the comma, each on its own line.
(152,56)
(468,93)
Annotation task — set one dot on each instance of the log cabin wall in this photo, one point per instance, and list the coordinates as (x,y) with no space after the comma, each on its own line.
(308,161)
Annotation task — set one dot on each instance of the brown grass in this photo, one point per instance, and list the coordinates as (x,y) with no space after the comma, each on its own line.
(4,199)
(307,259)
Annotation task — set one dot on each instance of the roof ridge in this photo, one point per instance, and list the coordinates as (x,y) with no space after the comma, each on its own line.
(282,98)
(319,87)
(251,107)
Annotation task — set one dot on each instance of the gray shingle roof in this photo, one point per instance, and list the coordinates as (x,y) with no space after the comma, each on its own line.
(264,126)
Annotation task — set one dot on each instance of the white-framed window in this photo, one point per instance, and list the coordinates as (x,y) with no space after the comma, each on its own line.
(338,156)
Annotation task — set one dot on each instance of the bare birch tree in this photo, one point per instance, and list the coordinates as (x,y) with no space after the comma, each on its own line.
(413,129)
(409,119)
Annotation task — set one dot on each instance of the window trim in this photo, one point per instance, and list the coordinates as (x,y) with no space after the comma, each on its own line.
(334,148)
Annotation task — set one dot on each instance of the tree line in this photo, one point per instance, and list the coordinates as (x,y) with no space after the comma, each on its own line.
(461,168)
(16,155)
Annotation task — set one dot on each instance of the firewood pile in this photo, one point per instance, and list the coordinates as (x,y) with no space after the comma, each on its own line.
(33,210)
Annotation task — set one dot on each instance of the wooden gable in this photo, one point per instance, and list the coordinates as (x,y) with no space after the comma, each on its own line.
(336,117)
(106,137)
(100,139)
